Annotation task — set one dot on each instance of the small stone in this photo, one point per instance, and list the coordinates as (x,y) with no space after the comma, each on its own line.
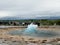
(48,44)
(58,41)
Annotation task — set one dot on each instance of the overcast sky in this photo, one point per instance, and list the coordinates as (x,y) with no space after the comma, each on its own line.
(29,8)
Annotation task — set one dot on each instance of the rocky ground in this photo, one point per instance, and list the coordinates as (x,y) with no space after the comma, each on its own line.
(6,39)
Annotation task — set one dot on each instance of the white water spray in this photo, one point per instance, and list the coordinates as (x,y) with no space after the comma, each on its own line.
(31,29)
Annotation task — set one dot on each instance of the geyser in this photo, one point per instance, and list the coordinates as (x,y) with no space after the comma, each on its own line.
(31,30)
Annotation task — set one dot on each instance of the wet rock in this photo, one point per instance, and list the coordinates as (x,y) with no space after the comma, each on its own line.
(53,40)
(14,41)
(44,41)
(58,39)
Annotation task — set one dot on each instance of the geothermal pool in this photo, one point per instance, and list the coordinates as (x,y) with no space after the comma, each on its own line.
(32,31)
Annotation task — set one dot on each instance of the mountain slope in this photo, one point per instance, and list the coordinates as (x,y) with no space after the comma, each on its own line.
(24,18)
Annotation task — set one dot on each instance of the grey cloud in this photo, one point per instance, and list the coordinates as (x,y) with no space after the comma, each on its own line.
(30,7)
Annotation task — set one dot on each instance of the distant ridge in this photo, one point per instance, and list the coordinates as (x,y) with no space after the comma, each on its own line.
(24,18)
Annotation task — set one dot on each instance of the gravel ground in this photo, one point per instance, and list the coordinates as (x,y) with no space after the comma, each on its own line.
(8,42)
